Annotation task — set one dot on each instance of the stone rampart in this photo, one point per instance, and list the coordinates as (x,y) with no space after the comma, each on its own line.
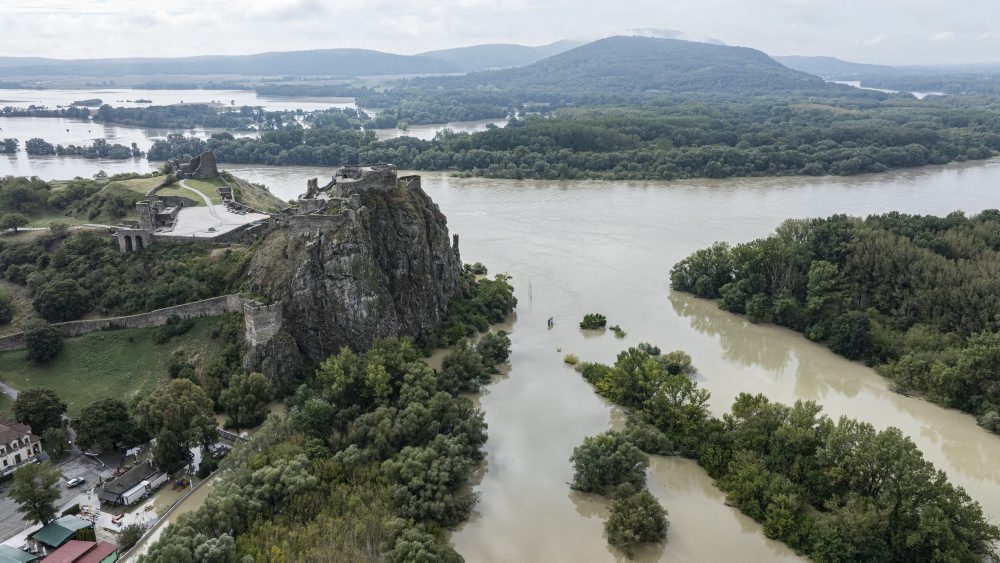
(313,224)
(262,322)
(206,308)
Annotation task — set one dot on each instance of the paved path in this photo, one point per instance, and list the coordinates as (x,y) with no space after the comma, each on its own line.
(8,390)
(208,200)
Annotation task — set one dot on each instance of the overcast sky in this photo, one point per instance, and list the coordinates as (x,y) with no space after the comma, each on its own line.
(876,31)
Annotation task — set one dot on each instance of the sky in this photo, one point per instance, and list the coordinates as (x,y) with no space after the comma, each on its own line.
(871,31)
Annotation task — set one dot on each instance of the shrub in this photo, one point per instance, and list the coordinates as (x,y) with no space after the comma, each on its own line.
(649,348)
(175,327)
(494,347)
(605,461)
(571,359)
(129,536)
(619,333)
(636,518)
(43,341)
(592,321)
(6,309)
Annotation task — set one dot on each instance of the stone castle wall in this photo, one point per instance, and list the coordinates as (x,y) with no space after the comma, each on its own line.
(312,224)
(262,322)
(205,308)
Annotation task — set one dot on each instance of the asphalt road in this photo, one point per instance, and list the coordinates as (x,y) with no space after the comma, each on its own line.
(73,465)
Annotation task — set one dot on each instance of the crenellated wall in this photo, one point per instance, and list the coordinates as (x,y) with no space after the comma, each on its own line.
(262,321)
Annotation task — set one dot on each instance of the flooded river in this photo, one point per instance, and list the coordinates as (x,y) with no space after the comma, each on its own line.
(578,247)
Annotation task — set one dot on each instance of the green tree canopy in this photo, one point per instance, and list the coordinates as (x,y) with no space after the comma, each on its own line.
(42,341)
(636,518)
(246,399)
(605,461)
(40,408)
(36,490)
(105,424)
(181,407)
(13,221)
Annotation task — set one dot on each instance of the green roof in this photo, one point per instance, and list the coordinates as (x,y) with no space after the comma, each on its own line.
(10,554)
(60,530)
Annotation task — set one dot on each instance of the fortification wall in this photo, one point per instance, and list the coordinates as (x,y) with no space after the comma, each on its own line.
(312,224)
(410,181)
(206,308)
(262,322)
(379,178)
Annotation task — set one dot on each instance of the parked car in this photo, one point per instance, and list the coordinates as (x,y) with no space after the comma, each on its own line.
(75,482)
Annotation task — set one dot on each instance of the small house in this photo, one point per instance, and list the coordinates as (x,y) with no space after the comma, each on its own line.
(76,551)
(61,530)
(133,485)
(18,446)
(10,554)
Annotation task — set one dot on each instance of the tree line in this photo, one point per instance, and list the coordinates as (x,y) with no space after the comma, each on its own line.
(918,297)
(682,138)
(832,490)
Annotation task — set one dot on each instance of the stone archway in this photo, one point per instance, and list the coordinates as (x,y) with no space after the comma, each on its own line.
(138,243)
(128,243)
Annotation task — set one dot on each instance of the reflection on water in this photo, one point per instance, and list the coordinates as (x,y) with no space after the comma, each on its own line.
(427,132)
(126,97)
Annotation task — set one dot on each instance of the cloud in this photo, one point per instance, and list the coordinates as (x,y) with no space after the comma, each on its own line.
(875,40)
(942,36)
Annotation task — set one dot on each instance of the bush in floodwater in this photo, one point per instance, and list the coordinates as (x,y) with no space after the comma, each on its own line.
(571,359)
(649,348)
(593,321)
(605,461)
(636,518)
(619,333)
(494,347)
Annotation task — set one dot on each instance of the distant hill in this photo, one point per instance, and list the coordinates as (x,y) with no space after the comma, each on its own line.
(499,55)
(831,68)
(622,65)
(325,62)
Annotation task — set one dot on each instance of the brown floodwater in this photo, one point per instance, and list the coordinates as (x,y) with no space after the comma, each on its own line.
(575,247)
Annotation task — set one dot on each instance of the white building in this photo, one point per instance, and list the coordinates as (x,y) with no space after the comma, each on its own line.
(18,446)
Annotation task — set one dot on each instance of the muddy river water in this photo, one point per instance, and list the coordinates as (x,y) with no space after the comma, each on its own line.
(578,247)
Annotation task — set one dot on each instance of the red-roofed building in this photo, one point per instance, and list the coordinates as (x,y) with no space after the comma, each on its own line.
(76,551)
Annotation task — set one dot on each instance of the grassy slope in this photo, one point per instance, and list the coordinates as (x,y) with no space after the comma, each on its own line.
(257,196)
(22,306)
(120,363)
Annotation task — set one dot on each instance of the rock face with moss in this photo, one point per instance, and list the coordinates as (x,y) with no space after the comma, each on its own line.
(371,258)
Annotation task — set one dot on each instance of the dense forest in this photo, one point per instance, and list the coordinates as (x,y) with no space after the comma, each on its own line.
(674,140)
(832,490)
(372,461)
(916,296)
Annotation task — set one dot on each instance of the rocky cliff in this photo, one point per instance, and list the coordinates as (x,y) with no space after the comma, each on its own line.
(372,259)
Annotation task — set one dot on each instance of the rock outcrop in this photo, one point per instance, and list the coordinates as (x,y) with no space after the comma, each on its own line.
(373,259)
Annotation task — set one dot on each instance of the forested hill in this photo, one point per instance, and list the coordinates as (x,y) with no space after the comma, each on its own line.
(499,55)
(628,65)
(328,62)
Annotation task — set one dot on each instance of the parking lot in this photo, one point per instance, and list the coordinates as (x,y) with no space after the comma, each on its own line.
(73,465)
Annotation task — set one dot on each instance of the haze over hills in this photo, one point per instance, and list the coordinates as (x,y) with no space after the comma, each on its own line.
(832,68)
(639,64)
(499,55)
(329,62)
